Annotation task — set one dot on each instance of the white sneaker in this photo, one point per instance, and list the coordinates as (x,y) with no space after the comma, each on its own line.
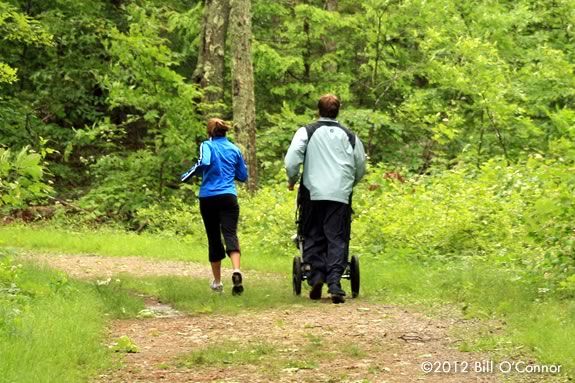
(217,287)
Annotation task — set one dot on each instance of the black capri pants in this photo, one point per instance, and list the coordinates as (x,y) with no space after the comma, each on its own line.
(220,215)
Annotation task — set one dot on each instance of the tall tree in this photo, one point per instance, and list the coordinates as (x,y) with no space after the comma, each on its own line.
(330,42)
(243,83)
(330,5)
(210,69)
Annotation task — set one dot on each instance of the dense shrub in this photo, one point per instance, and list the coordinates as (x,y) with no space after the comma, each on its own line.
(268,219)
(125,184)
(520,215)
(175,217)
(22,178)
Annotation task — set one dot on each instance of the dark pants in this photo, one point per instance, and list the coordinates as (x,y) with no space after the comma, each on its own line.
(326,231)
(220,214)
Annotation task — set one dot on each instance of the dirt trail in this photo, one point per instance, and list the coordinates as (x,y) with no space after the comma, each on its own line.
(356,341)
(351,342)
(95,266)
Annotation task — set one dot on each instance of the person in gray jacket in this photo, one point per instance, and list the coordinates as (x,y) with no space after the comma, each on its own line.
(333,160)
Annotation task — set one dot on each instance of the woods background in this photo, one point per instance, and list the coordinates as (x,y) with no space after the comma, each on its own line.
(103,104)
(466,108)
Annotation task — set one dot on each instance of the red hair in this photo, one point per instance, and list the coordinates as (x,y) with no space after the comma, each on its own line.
(217,127)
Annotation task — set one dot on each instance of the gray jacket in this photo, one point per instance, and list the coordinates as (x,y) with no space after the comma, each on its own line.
(332,166)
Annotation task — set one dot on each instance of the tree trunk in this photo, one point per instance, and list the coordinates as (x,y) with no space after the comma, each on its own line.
(243,84)
(307,52)
(210,69)
(330,5)
(374,76)
(330,43)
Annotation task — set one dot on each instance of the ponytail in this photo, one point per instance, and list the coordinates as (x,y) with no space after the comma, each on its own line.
(217,127)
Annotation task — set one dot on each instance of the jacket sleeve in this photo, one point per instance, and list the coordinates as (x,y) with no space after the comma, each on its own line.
(204,160)
(359,159)
(241,173)
(295,155)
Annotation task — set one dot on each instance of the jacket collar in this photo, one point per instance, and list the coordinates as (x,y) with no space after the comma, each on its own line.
(327,119)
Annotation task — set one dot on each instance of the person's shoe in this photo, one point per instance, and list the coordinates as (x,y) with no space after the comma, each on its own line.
(337,299)
(238,288)
(315,293)
(217,287)
(337,294)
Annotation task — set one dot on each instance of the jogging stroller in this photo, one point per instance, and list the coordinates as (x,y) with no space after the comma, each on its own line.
(301,270)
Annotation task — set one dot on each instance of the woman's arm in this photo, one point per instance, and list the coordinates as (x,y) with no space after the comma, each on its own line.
(203,161)
(241,171)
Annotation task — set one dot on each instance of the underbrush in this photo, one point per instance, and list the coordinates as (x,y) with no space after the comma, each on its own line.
(518,218)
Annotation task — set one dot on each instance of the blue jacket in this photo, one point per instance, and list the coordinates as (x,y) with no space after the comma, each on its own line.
(220,163)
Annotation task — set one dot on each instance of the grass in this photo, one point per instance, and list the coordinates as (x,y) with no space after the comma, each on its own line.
(105,242)
(227,353)
(48,335)
(55,340)
(270,361)
(354,351)
(118,300)
(537,322)
(193,296)
(116,243)
(52,328)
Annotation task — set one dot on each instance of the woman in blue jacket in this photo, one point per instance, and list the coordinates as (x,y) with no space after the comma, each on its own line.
(220,163)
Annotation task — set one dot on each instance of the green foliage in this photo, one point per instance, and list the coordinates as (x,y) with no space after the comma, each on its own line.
(122,185)
(274,141)
(471,101)
(267,221)
(520,216)
(17,28)
(142,74)
(21,178)
(128,189)
(105,78)
(125,344)
(424,83)
(450,78)
(176,217)
(156,113)
(7,74)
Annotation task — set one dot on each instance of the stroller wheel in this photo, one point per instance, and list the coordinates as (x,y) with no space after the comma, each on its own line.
(354,275)
(297,275)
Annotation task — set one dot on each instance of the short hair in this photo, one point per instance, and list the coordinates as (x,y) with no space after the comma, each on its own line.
(217,127)
(328,106)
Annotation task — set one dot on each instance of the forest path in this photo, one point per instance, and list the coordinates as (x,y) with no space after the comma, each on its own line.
(355,341)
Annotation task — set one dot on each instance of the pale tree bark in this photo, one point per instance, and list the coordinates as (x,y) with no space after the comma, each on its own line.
(210,69)
(330,5)
(243,83)
(330,43)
